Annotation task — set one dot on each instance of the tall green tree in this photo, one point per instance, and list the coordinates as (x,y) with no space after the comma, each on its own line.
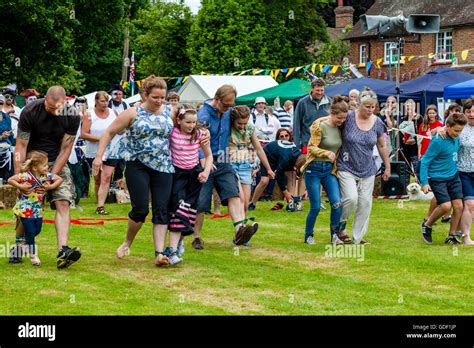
(98,40)
(159,35)
(36,43)
(230,35)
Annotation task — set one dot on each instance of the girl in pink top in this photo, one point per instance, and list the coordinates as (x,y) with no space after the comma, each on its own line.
(185,145)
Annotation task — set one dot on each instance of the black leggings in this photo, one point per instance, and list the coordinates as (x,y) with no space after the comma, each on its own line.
(140,181)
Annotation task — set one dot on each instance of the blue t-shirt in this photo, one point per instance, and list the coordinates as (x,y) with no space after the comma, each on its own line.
(440,160)
(219,128)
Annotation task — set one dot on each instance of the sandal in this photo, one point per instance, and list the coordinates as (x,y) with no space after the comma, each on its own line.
(101,211)
(345,238)
(277,206)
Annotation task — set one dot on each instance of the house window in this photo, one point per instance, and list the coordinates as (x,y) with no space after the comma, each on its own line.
(444,45)
(362,54)
(390,52)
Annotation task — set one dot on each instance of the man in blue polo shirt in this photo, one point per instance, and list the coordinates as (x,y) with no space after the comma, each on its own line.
(215,114)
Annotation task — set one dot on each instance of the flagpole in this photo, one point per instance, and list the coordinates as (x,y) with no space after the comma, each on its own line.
(132,74)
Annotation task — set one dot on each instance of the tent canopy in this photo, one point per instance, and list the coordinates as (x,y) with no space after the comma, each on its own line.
(288,90)
(359,84)
(198,88)
(461,90)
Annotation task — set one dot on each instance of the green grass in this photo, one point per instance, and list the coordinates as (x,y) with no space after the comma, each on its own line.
(279,275)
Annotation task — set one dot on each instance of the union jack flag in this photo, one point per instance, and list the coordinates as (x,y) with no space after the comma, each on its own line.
(132,73)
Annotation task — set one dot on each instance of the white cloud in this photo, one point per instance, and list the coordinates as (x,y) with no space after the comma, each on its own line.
(193,4)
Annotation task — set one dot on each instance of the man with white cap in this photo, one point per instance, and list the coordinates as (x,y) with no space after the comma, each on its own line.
(266,125)
(117,103)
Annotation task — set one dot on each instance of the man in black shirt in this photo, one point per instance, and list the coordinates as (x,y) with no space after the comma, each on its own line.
(50,125)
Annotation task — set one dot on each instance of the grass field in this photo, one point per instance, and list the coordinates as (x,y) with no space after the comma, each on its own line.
(397,274)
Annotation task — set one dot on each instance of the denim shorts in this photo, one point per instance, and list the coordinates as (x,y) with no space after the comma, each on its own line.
(226,182)
(244,172)
(446,190)
(467,180)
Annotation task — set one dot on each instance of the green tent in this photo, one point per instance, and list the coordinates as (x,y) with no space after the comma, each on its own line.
(287,90)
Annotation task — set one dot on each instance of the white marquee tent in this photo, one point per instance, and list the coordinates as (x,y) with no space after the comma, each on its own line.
(198,88)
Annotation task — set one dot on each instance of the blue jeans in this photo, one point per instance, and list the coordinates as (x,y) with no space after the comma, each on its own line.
(317,174)
(32,227)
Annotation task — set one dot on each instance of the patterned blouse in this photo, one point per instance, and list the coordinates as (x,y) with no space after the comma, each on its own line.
(31,205)
(148,140)
(466,150)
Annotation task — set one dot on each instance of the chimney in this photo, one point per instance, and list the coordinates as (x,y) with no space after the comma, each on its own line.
(344,15)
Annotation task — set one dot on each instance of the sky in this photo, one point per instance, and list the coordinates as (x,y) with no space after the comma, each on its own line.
(193,5)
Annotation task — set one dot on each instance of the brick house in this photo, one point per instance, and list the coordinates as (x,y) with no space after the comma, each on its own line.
(456,34)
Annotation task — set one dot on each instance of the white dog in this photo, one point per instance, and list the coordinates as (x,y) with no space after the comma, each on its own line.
(416,194)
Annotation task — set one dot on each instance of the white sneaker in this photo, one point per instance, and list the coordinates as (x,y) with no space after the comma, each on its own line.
(299,206)
(174,259)
(336,241)
(309,240)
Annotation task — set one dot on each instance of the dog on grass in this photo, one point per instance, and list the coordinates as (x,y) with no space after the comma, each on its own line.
(415,193)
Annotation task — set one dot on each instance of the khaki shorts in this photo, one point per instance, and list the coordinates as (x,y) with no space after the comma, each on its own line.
(64,192)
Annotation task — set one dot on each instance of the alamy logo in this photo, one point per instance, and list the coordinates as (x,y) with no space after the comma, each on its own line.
(37,331)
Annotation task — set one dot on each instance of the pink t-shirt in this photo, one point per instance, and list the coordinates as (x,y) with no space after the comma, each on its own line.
(185,154)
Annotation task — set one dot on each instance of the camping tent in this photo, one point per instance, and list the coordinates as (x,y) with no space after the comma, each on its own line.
(198,88)
(286,91)
(359,84)
(461,90)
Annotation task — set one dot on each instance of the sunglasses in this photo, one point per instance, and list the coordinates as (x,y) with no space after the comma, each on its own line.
(10,97)
(284,136)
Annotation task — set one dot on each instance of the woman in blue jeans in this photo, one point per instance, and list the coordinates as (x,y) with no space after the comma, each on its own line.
(319,169)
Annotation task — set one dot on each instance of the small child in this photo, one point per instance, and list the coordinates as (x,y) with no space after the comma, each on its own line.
(243,135)
(440,174)
(185,144)
(33,182)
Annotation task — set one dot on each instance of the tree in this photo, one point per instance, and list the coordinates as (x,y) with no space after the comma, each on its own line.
(99,39)
(159,35)
(236,35)
(36,48)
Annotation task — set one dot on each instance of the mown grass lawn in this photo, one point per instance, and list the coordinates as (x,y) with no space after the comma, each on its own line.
(279,275)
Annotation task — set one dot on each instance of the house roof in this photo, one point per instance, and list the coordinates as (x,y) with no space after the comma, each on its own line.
(453,13)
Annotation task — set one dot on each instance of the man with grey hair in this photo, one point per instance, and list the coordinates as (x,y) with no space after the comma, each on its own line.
(50,125)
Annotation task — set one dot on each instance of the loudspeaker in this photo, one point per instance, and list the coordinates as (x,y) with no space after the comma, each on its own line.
(372,22)
(395,186)
(423,23)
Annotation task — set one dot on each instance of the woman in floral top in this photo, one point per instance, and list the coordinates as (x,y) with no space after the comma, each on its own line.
(33,182)
(149,167)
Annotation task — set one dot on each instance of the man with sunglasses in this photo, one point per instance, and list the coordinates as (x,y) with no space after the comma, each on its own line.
(11,109)
(50,125)
(117,103)
(215,114)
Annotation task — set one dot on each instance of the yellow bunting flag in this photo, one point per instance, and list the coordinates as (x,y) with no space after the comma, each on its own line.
(254,71)
(334,69)
(313,69)
(139,83)
(124,85)
(431,55)
(402,59)
(464,54)
(321,67)
(378,62)
(277,71)
(184,80)
(290,71)
(410,58)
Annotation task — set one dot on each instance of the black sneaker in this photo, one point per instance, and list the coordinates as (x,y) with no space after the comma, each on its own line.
(446,219)
(16,254)
(451,239)
(426,233)
(251,207)
(67,256)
